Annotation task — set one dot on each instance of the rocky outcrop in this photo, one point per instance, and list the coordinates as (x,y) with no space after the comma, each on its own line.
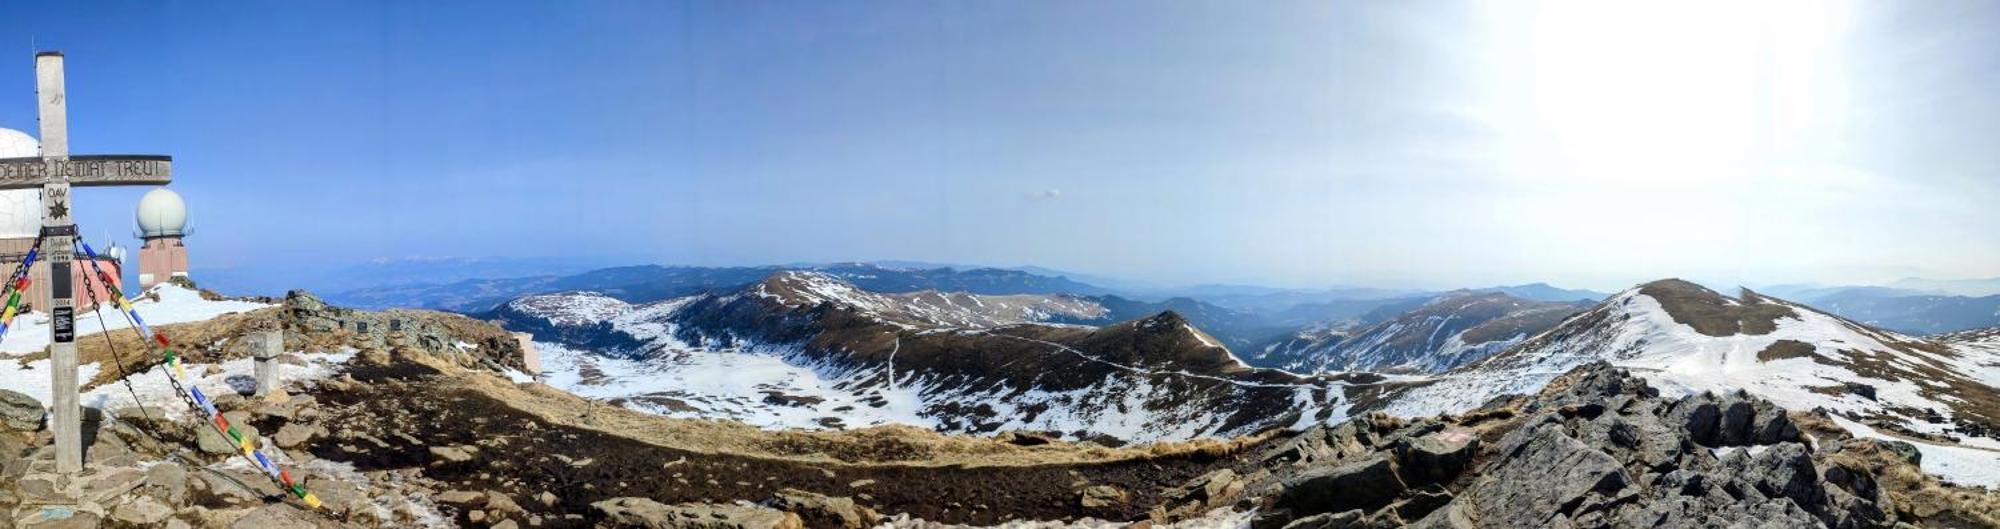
(316,325)
(819,510)
(1597,448)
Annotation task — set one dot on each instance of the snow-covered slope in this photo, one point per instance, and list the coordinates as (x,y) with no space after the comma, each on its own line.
(807,350)
(1686,338)
(1442,334)
(163,305)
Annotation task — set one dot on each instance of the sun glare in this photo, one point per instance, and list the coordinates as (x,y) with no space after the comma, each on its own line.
(1674,94)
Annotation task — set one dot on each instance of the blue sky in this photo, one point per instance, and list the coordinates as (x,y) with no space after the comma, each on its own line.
(1431,144)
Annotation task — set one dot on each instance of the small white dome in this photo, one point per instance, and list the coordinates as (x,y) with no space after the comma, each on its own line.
(20,209)
(116,253)
(162,214)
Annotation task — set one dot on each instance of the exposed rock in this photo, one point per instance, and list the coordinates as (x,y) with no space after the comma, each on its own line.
(1099,496)
(649,514)
(169,480)
(818,510)
(501,505)
(292,435)
(452,454)
(213,442)
(1367,483)
(1329,520)
(1597,448)
(20,411)
(142,511)
(1542,473)
(1436,457)
(1215,489)
(461,497)
(277,516)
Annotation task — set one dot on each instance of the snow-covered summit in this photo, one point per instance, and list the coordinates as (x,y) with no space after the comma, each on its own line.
(927,308)
(571,308)
(1444,333)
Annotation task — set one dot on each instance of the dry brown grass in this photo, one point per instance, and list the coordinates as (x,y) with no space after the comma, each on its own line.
(1711,313)
(1783,349)
(1918,496)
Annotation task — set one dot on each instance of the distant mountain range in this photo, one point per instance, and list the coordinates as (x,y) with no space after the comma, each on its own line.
(1247,318)
(1902,309)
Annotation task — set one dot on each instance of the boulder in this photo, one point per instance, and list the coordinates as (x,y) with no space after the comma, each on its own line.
(1435,458)
(1100,496)
(292,435)
(649,514)
(142,511)
(20,411)
(168,481)
(1367,483)
(502,505)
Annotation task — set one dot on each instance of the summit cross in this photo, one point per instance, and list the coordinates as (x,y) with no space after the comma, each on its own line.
(54,172)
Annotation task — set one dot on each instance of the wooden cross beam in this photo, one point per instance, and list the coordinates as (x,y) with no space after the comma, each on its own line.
(55,171)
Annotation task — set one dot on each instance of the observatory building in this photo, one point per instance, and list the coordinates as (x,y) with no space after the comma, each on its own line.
(162,222)
(21,221)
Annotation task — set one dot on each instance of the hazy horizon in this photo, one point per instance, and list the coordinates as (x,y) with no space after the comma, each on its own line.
(1407,145)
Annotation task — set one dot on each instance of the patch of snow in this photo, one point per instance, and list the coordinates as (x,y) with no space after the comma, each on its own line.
(1960,465)
(176,304)
(751,386)
(231,376)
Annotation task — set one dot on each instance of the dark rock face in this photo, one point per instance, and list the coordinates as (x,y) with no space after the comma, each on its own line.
(1598,448)
(1366,484)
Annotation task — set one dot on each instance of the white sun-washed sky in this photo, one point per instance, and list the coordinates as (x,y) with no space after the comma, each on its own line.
(1432,144)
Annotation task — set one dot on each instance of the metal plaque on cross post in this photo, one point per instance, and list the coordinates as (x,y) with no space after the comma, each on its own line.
(54,172)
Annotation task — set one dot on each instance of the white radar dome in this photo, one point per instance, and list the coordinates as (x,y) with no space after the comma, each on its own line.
(162,214)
